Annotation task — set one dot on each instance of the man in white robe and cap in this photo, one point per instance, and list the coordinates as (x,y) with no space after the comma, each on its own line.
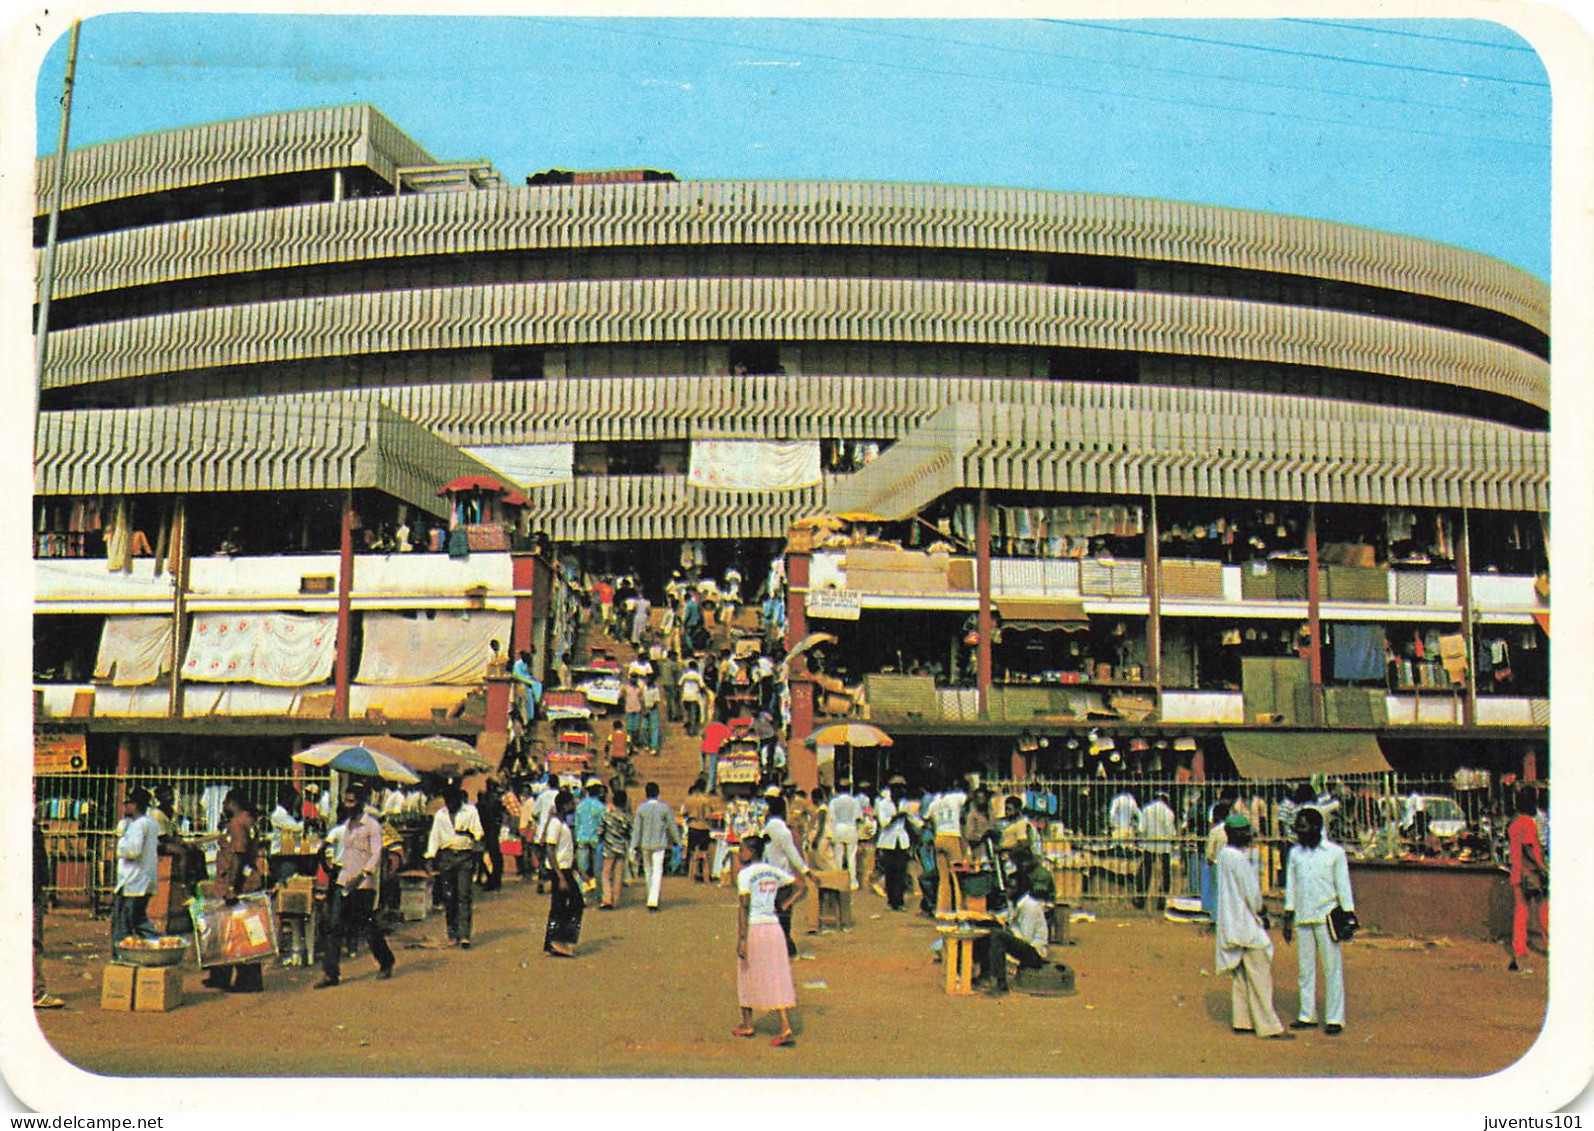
(1244,949)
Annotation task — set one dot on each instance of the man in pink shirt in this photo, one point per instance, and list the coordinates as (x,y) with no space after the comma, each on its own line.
(351,900)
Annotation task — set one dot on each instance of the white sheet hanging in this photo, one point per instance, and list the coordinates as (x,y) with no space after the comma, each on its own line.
(529,464)
(134,651)
(275,649)
(754,465)
(440,647)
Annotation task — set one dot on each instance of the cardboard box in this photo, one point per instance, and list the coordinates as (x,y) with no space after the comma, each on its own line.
(157,989)
(117,990)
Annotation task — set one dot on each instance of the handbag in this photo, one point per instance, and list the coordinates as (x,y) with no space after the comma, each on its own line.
(1535,880)
(1342,925)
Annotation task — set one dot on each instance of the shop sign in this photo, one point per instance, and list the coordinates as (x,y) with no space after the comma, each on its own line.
(834,604)
(60,753)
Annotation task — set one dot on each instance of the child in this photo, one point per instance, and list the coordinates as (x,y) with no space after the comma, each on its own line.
(620,750)
(763,970)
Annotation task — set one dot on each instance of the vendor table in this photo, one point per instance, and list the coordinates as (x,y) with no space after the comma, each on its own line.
(957,954)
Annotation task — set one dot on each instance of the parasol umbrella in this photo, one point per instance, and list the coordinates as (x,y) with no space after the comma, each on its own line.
(818,522)
(472,483)
(862,516)
(811,640)
(458,751)
(850,734)
(372,756)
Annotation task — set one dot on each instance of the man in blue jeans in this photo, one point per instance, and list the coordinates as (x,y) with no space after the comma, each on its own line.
(589,846)
(137,837)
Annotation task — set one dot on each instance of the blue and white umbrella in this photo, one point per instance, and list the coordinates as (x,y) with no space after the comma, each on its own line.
(372,756)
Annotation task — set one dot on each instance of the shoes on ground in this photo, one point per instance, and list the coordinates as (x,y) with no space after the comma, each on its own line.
(1303,1024)
(385,972)
(324,983)
(464,944)
(1333,1030)
(46,1001)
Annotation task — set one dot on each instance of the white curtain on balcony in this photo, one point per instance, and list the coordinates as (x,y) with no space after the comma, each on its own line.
(134,651)
(429,647)
(275,649)
(754,465)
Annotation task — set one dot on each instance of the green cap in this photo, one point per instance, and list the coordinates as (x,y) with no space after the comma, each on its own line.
(1237,821)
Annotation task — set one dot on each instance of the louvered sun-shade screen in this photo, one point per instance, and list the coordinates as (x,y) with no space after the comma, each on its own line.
(1381,459)
(240,149)
(461,318)
(271,444)
(701,213)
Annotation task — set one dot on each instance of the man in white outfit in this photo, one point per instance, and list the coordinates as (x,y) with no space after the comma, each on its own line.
(844,814)
(1317,879)
(653,833)
(1244,950)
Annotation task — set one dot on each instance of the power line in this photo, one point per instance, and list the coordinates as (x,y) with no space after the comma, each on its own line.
(1410,34)
(1296,53)
(939,72)
(1358,95)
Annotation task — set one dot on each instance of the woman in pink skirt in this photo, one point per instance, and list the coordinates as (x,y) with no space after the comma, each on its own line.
(763,971)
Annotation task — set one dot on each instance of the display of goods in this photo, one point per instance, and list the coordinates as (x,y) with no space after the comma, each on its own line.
(244,930)
(164,951)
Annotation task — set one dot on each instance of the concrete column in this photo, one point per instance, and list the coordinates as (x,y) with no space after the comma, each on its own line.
(1314,624)
(1469,702)
(1154,609)
(982,581)
(340,670)
(802,762)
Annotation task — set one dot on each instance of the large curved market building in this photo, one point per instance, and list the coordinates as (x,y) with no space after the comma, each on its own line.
(1170,452)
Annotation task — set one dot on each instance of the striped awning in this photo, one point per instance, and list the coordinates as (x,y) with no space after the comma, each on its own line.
(1063,616)
(263,444)
(1252,447)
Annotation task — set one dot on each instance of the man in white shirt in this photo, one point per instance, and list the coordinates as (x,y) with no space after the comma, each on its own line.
(534,819)
(945,817)
(1024,937)
(780,849)
(1244,950)
(844,813)
(1123,816)
(1317,879)
(893,845)
(1158,828)
(136,839)
(567,906)
(453,848)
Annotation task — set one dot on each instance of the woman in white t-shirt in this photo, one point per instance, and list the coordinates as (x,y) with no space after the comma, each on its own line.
(763,970)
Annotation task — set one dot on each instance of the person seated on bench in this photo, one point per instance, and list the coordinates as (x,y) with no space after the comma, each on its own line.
(1023,935)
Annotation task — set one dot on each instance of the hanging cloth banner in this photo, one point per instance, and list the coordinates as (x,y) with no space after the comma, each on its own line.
(754,465)
(529,464)
(445,647)
(134,651)
(276,649)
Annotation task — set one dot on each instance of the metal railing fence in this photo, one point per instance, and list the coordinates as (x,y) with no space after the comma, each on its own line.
(1369,815)
(78,814)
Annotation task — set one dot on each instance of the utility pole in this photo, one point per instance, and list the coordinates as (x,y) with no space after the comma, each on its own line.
(41,329)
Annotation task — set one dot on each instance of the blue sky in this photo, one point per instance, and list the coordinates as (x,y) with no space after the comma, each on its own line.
(1433,128)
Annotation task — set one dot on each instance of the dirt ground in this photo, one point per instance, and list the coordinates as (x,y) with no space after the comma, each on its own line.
(653,995)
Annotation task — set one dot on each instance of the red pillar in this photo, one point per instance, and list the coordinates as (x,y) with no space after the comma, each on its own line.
(802,762)
(524,579)
(1020,766)
(982,579)
(340,677)
(1314,624)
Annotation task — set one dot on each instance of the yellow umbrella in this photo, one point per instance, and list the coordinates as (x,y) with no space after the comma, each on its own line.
(818,522)
(862,516)
(849,735)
